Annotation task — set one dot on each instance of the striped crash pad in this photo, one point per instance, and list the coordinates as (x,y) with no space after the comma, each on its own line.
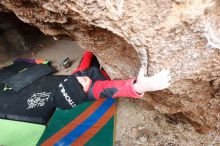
(89,124)
(14,133)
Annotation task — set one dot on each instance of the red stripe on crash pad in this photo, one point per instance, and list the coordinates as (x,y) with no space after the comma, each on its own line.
(73,124)
(85,137)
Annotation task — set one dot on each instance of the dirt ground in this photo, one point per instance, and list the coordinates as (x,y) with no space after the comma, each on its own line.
(140,127)
(135,126)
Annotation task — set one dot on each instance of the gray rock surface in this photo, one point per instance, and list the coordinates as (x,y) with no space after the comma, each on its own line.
(179,35)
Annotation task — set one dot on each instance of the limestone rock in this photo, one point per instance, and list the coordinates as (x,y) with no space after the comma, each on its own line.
(179,35)
(3,8)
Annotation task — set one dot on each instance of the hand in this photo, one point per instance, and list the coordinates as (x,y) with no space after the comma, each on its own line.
(158,81)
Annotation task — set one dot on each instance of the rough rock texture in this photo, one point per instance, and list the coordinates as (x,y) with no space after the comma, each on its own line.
(3,9)
(155,129)
(17,38)
(180,35)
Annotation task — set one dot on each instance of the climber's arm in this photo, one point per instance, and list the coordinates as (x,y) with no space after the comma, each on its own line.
(130,88)
(113,89)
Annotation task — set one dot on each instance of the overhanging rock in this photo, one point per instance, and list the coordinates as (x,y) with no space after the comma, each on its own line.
(179,35)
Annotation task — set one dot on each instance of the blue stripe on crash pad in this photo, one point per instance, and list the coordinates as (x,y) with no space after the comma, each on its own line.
(84,126)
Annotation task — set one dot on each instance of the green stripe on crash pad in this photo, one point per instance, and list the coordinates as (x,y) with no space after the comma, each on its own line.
(14,133)
(104,137)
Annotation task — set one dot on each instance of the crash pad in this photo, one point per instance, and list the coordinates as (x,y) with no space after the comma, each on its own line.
(89,124)
(14,133)
(35,102)
(28,76)
(26,91)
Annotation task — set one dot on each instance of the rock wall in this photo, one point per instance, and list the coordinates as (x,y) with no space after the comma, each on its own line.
(180,35)
(17,39)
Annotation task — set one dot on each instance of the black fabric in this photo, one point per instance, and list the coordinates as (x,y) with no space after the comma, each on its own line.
(4,74)
(45,94)
(95,62)
(69,93)
(27,77)
(92,72)
(91,96)
(36,102)
(8,99)
(108,92)
(16,67)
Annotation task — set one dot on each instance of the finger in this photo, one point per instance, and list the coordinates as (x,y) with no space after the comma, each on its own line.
(165,86)
(165,72)
(140,73)
(158,75)
(166,78)
(162,73)
(160,78)
(169,78)
(165,75)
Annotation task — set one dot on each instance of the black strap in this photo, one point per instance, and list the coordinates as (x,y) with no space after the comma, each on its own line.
(27,77)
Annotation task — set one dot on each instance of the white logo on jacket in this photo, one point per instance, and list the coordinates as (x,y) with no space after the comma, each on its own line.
(66,96)
(38,100)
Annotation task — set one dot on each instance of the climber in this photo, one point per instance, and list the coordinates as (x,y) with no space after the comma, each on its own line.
(88,82)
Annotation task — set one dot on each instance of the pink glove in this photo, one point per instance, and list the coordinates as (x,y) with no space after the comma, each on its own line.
(158,81)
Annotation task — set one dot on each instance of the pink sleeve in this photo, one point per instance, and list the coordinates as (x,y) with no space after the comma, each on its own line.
(128,90)
(114,89)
